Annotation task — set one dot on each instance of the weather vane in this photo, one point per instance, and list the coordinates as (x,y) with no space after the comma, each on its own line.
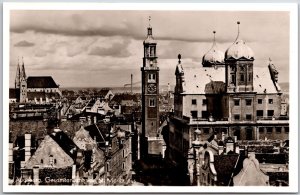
(214,36)
(149,20)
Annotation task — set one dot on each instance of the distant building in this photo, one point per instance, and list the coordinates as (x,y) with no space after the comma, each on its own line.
(115,143)
(34,89)
(106,94)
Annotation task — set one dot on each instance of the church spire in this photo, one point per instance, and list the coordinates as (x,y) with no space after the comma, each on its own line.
(23,73)
(17,79)
(149,28)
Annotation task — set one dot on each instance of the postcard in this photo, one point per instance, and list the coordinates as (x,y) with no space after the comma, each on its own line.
(101,97)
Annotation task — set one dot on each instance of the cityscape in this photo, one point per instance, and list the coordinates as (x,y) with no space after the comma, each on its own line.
(220,119)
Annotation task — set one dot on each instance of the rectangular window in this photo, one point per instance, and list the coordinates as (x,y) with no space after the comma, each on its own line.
(151,102)
(194,102)
(259,113)
(194,114)
(204,114)
(236,102)
(259,101)
(248,116)
(270,101)
(278,129)
(204,101)
(249,77)
(224,130)
(248,102)
(232,78)
(242,77)
(286,129)
(236,117)
(270,112)
(261,129)
(269,129)
(151,78)
(206,130)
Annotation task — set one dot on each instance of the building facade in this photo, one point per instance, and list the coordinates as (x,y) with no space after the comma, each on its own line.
(228,95)
(34,89)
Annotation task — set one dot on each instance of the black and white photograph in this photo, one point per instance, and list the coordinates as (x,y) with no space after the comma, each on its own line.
(150,97)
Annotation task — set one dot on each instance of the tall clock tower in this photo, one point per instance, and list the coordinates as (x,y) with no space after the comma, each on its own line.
(151,137)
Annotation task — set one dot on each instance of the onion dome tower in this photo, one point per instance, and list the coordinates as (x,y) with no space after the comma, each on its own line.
(239,59)
(214,56)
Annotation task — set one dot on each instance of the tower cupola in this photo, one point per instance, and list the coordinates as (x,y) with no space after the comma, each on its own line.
(213,56)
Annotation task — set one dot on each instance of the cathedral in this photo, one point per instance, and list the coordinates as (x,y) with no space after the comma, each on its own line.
(33,89)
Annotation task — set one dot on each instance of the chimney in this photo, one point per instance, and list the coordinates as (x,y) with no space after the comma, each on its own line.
(36,175)
(89,120)
(27,146)
(215,136)
(74,175)
(237,149)
(235,139)
(220,149)
(223,136)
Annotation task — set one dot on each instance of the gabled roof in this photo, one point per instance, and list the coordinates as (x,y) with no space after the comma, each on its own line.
(41,82)
(65,143)
(103,92)
(118,98)
(225,167)
(98,131)
(262,81)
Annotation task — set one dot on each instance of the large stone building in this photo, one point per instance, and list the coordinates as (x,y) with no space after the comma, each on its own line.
(151,139)
(34,89)
(230,95)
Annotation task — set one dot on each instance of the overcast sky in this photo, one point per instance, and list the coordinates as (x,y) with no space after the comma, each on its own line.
(102,48)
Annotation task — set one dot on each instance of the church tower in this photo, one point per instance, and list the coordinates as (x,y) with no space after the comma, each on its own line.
(17,82)
(23,84)
(239,66)
(150,138)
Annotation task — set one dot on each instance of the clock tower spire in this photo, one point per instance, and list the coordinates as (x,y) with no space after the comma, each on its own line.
(151,138)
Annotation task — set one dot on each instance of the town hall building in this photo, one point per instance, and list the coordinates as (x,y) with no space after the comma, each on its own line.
(228,95)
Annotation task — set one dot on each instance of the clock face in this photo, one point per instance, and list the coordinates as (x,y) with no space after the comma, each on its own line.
(151,88)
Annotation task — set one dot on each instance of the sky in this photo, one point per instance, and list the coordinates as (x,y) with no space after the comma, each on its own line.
(102,48)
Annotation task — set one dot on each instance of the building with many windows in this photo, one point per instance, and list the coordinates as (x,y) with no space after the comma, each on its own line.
(228,95)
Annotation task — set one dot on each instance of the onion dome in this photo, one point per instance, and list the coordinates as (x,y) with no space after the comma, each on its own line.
(239,49)
(213,56)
